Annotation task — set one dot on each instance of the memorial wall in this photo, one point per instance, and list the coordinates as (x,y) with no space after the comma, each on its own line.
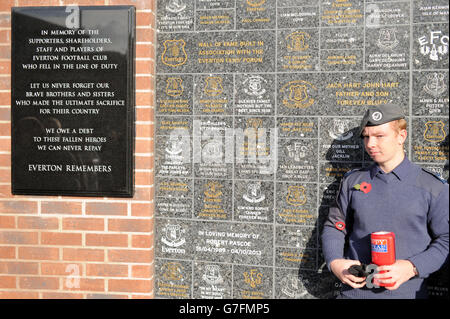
(257,108)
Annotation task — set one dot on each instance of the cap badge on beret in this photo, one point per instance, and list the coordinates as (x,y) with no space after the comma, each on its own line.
(376,116)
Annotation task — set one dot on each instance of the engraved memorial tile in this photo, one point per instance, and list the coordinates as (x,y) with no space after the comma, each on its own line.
(253,201)
(298,17)
(213,94)
(293,257)
(331,172)
(351,93)
(173,197)
(342,13)
(212,199)
(73,101)
(295,127)
(254,94)
(173,279)
(387,13)
(212,281)
(175,53)
(298,50)
(430,11)
(175,16)
(430,46)
(299,94)
(173,239)
(327,195)
(293,3)
(236,243)
(214,20)
(296,237)
(296,203)
(295,160)
(431,93)
(339,140)
(387,48)
(288,285)
(430,140)
(251,282)
(214,4)
(175,94)
(255,14)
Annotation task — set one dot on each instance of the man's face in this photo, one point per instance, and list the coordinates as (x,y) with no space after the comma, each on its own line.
(384,143)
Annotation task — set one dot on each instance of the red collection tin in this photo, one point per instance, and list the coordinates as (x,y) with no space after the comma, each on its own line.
(383,251)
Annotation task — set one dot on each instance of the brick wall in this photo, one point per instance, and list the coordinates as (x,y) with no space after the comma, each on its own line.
(75,247)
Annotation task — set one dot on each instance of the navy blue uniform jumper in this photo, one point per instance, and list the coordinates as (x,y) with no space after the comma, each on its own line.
(409,201)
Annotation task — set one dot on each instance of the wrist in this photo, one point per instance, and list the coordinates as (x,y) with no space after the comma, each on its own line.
(414,270)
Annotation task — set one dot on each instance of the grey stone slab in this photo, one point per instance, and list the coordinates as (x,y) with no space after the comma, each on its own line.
(173,279)
(298,258)
(296,236)
(236,243)
(297,160)
(213,199)
(214,4)
(298,50)
(173,197)
(175,16)
(430,136)
(251,282)
(430,46)
(255,14)
(431,93)
(173,156)
(341,60)
(212,280)
(254,94)
(296,203)
(332,172)
(298,17)
(253,201)
(388,13)
(387,47)
(174,95)
(210,20)
(297,127)
(213,94)
(174,238)
(342,13)
(430,11)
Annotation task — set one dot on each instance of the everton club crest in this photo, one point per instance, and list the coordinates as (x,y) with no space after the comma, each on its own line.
(434,131)
(174,54)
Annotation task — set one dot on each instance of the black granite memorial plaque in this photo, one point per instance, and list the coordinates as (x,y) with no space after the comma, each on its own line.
(73,100)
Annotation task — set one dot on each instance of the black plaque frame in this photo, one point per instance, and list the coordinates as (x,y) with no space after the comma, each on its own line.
(107,173)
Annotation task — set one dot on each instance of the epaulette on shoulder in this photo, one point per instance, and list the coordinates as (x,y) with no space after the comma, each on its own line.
(438,177)
(351,172)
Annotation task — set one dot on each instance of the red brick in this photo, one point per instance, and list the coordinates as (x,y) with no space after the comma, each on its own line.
(5,175)
(18,295)
(142,241)
(145,35)
(144,18)
(129,285)
(87,284)
(130,225)
(58,295)
(142,51)
(61,269)
(105,208)
(5,129)
(69,208)
(5,5)
(83,254)
(130,255)
(143,178)
(39,283)
(37,223)
(141,210)
(106,270)
(19,268)
(18,207)
(142,82)
(7,282)
(84,2)
(141,271)
(5,83)
(7,222)
(144,99)
(83,224)
(107,240)
(7,252)
(5,54)
(143,162)
(18,238)
(5,21)
(145,114)
(139,4)
(5,145)
(23,3)
(143,66)
(39,253)
(61,239)
(5,160)
(106,296)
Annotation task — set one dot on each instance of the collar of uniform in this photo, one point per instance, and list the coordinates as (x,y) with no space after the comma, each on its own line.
(401,171)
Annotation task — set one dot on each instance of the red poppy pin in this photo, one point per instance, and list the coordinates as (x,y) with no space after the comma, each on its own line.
(363,187)
(340,225)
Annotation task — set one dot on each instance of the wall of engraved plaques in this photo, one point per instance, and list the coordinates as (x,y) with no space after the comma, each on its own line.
(257,105)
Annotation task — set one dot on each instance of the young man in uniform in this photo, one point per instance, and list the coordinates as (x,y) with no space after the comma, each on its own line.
(392,195)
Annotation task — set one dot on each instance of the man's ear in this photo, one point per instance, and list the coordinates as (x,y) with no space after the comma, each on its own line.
(402,134)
